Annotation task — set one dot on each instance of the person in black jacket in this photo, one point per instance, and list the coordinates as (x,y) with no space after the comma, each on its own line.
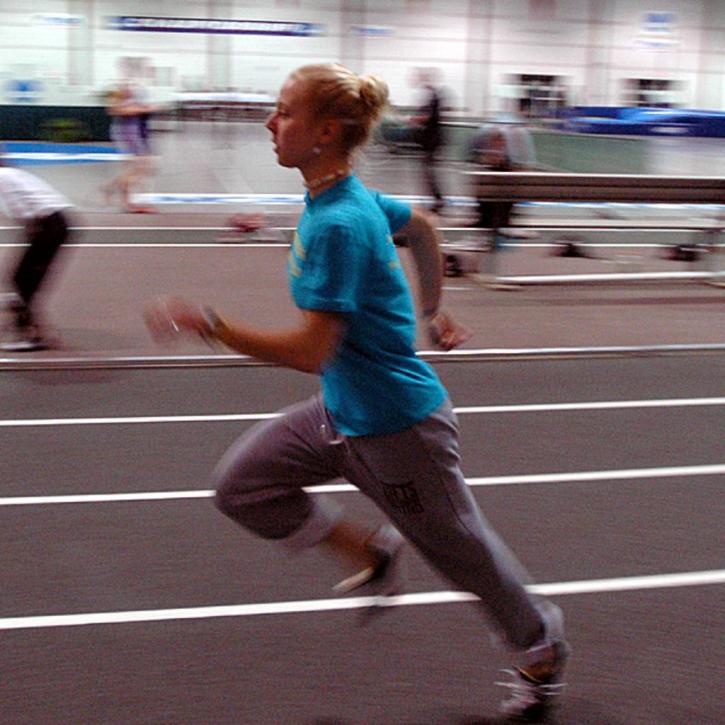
(431,133)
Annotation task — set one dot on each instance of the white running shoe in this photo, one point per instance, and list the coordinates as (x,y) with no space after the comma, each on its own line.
(23,338)
(382,580)
(10,301)
(536,688)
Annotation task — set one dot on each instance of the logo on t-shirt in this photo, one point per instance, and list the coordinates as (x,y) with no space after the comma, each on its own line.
(296,256)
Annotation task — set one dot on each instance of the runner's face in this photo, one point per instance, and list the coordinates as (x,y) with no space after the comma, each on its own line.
(294,131)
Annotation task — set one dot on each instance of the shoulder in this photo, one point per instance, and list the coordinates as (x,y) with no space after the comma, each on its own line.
(331,226)
(345,227)
(351,207)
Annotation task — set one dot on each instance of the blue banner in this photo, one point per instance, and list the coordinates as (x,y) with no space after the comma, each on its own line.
(145,23)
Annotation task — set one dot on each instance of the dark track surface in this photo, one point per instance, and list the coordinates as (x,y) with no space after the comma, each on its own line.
(642,656)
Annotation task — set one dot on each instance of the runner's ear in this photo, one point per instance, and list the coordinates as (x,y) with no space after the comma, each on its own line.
(330,131)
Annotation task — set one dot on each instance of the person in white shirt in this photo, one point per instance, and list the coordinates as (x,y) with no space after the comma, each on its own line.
(43,213)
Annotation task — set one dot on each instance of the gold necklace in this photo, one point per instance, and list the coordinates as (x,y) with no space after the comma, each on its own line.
(322,180)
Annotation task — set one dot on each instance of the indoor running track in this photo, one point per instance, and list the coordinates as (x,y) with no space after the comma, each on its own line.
(118,606)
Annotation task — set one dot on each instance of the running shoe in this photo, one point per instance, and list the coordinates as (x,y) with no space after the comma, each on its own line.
(536,688)
(22,333)
(10,302)
(382,580)
(24,339)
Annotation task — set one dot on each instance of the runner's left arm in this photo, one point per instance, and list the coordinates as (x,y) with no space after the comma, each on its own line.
(423,239)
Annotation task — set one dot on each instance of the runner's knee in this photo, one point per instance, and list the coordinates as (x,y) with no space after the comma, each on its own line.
(271,512)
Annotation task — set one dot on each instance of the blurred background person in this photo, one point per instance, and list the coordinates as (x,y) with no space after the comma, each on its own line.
(491,151)
(430,135)
(141,91)
(43,213)
(501,148)
(130,110)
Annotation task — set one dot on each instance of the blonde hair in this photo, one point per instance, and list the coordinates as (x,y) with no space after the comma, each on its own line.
(334,91)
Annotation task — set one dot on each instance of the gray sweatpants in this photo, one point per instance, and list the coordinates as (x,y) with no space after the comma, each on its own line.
(414,476)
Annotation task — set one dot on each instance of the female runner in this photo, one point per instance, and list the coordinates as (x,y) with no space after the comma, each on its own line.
(383,419)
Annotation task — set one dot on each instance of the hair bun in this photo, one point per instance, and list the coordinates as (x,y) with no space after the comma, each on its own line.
(374,94)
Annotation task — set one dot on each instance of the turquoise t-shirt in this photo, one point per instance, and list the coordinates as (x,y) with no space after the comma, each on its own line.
(343,260)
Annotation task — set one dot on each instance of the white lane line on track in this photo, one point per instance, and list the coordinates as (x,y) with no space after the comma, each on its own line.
(133,229)
(285,245)
(591,586)
(531,478)
(492,354)
(461,410)
(161,245)
(132,420)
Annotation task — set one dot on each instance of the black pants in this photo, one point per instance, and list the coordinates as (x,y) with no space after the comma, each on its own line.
(494,214)
(430,175)
(45,236)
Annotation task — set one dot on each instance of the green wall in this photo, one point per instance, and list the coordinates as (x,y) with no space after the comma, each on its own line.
(54,123)
(574,152)
(587,154)
(558,151)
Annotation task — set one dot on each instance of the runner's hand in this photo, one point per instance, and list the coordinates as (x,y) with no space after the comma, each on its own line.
(169,317)
(445,333)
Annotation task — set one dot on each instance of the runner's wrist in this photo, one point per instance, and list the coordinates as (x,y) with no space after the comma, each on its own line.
(429,313)
(216,327)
